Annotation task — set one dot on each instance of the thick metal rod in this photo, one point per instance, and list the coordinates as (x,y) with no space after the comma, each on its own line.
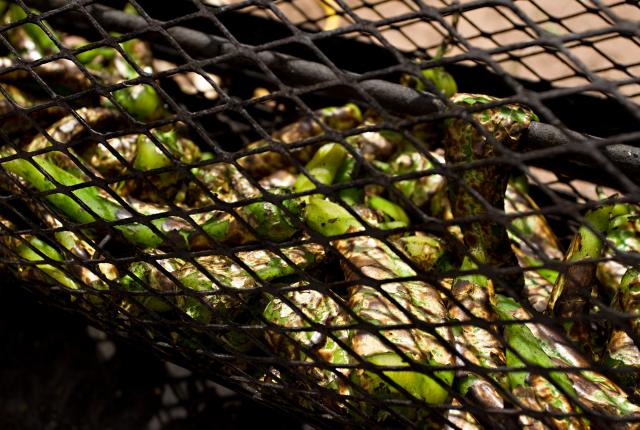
(293,71)
(625,157)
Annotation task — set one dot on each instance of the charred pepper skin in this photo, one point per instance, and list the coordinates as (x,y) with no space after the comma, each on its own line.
(623,236)
(460,419)
(77,249)
(486,241)
(630,297)
(224,180)
(476,295)
(265,218)
(69,128)
(163,151)
(535,392)
(215,295)
(60,261)
(464,144)
(570,297)
(222,285)
(293,312)
(370,257)
(622,354)
(541,345)
(141,153)
(218,302)
(376,145)
(533,242)
(28,248)
(411,160)
(374,260)
(426,251)
(266,162)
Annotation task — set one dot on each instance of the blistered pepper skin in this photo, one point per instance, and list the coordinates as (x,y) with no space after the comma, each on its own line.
(486,240)
(464,143)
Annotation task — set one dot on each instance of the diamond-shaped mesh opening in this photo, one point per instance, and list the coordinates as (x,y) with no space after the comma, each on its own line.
(394,213)
(29,40)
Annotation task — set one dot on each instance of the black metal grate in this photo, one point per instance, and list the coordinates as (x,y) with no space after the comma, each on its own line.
(133,194)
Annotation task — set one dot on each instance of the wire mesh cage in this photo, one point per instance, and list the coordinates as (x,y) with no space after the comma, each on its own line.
(405,213)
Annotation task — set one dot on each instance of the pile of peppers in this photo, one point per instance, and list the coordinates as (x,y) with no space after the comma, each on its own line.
(319,255)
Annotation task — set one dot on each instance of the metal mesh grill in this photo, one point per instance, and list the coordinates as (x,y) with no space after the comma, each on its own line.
(289,198)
